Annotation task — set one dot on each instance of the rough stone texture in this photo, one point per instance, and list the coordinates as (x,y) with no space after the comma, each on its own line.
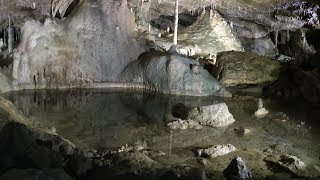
(245,68)
(209,34)
(184,124)
(217,150)
(93,44)
(22,148)
(289,163)
(172,74)
(237,169)
(59,7)
(216,115)
(4,84)
(261,113)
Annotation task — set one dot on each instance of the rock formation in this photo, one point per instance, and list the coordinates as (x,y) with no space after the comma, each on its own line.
(92,45)
(172,74)
(244,68)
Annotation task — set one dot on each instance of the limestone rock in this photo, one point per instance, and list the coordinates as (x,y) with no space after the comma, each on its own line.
(208,35)
(217,150)
(184,124)
(52,55)
(60,7)
(245,68)
(216,115)
(237,169)
(261,113)
(288,163)
(4,84)
(172,74)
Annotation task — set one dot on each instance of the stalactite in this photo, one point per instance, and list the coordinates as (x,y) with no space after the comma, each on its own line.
(10,36)
(276,38)
(176,19)
(5,37)
(288,35)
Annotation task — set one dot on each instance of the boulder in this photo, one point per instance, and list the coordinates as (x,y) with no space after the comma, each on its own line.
(217,150)
(237,169)
(287,163)
(216,115)
(172,74)
(245,68)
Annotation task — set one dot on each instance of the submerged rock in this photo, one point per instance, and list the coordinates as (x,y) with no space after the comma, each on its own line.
(172,74)
(245,68)
(216,150)
(216,115)
(237,169)
(184,124)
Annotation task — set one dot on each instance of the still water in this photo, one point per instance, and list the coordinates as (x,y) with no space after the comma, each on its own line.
(107,119)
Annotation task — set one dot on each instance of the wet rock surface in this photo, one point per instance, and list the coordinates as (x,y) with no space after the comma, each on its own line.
(217,150)
(217,115)
(290,163)
(243,68)
(172,74)
(153,151)
(237,169)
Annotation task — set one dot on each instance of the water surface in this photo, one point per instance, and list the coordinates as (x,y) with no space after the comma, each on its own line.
(108,119)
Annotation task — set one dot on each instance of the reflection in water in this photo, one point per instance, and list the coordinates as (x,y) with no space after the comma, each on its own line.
(107,119)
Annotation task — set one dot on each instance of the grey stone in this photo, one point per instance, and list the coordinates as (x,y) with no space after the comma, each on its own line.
(216,115)
(245,68)
(172,74)
(217,150)
(288,163)
(237,169)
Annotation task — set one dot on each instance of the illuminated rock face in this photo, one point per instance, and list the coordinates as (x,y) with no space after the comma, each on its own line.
(172,74)
(245,68)
(210,34)
(93,44)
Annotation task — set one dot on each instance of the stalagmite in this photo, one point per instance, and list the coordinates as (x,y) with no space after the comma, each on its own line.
(176,19)
(10,36)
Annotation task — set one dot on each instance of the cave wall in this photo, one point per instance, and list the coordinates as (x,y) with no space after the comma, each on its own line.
(93,44)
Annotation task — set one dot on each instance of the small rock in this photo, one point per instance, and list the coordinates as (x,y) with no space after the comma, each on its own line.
(241,131)
(237,169)
(203,161)
(216,115)
(218,150)
(199,152)
(261,113)
(184,124)
(292,162)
